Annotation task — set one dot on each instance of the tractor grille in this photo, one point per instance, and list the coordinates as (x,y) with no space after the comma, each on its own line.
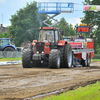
(40,48)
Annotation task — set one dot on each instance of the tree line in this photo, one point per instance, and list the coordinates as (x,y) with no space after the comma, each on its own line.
(93,17)
(28,18)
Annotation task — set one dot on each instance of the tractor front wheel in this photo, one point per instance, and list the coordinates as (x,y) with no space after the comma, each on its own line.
(54,59)
(26,58)
(7,49)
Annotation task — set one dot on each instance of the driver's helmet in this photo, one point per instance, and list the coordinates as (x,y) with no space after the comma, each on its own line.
(50,33)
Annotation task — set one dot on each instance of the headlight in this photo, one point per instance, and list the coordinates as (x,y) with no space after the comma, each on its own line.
(37,51)
(42,51)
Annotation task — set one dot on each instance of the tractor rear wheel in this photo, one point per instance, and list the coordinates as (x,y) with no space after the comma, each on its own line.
(89,60)
(54,59)
(67,56)
(27,58)
(85,62)
(62,56)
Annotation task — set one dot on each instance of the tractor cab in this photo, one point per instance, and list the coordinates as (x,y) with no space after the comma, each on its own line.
(5,46)
(49,34)
(49,46)
(4,42)
(49,37)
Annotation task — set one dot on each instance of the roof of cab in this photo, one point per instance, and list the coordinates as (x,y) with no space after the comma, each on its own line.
(48,28)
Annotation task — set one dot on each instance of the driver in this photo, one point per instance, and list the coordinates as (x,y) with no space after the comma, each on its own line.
(50,37)
(81,36)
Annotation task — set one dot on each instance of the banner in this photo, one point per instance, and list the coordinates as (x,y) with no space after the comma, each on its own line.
(91,7)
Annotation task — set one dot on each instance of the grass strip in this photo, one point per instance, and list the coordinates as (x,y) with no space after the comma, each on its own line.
(9,59)
(95,59)
(90,92)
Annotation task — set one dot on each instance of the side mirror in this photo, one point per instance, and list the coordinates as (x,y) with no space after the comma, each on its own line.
(62,32)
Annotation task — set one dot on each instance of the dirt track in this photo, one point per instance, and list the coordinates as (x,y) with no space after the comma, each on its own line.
(20,83)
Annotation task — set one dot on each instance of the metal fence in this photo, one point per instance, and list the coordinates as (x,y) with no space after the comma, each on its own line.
(96,56)
(17,54)
(10,54)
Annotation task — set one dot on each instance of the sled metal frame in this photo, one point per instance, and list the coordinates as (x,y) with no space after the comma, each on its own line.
(51,17)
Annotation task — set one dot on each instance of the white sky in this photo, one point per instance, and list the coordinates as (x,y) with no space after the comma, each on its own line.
(9,7)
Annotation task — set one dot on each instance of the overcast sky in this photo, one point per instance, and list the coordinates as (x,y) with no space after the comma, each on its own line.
(9,7)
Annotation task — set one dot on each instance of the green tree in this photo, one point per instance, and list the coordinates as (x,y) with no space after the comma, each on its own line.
(72,30)
(1,35)
(93,17)
(4,35)
(24,20)
(68,29)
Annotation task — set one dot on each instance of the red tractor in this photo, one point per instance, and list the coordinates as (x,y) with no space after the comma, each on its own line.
(49,49)
(53,52)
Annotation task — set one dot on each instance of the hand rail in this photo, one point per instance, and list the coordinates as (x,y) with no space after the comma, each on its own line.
(55,7)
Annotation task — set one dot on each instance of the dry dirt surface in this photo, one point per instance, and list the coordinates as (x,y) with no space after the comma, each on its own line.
(17,83)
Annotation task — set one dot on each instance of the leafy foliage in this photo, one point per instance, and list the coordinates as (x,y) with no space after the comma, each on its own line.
(24,20)
(5,35)
(67,28)
(93,18)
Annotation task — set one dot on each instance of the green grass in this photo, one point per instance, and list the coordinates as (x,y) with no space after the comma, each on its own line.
(9,59)
(90,92)
(95,59)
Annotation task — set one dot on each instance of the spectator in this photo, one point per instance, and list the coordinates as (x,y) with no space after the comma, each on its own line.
(29,43)
(91,36)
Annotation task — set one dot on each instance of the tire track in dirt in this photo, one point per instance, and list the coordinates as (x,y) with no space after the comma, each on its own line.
(17,82)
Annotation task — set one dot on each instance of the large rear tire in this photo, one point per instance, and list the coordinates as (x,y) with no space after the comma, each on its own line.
(89,60)
(7,49)
(67,56)
(85,62)
(62,56)
(27,58)
(54,59)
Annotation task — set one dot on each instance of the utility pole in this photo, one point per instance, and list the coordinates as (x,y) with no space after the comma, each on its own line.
(2,19)
(2,24)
